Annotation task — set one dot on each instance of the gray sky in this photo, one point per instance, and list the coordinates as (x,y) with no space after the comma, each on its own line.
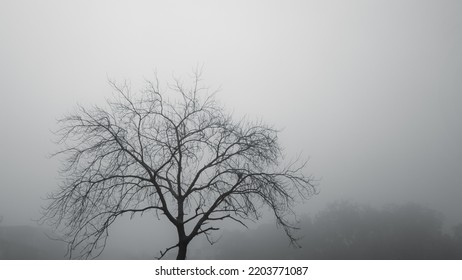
(369,90)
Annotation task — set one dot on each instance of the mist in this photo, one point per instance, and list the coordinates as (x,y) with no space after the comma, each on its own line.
(368,91)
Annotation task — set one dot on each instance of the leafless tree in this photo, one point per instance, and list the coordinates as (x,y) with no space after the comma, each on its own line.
(176,154)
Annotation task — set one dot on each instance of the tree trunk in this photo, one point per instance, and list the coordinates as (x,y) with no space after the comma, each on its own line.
(183,242)
(182,249)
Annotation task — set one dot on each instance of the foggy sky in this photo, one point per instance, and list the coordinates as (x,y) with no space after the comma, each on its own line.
(370,91)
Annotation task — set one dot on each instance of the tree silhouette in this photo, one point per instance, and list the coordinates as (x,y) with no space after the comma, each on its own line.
(178,155)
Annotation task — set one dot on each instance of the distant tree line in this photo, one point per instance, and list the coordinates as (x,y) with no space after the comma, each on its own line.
(28,243)
(341,231)
(348,231)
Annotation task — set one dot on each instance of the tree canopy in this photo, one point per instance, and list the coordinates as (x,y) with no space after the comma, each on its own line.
(177,154)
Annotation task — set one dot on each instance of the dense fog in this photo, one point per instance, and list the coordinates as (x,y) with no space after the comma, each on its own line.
(368,91)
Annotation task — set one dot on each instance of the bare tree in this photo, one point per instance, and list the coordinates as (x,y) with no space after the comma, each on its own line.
(177,154)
